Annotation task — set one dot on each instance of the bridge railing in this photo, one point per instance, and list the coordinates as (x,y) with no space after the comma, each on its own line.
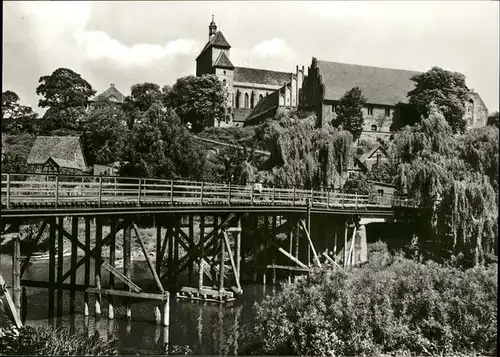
(55,190)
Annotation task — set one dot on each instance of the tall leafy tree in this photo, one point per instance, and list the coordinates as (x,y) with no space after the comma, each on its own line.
(160,146)
(105,135)
(445,89)
(349,112)
(199,101)
(17,118)
(493,119)
(142,97)
(64,89)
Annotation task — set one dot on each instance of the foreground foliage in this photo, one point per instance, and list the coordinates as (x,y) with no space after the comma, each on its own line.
(392,305)
(50,341)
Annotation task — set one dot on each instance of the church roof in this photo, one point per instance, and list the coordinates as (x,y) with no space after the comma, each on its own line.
(223,61)
(261,76)
(216,40)
(379,85)
(110,92)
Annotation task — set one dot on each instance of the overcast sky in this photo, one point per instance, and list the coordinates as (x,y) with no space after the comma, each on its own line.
(131,42)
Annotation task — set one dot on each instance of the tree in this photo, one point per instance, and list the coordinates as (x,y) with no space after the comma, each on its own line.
(161,147)
(105,135)
(349,112)
(493,119)
(62,121)
(15,151)
(199,101)
(142,97)
(447,90)
(64,89)
(16,118)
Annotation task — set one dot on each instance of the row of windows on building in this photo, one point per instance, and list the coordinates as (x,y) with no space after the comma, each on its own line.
(369,110)
(247,101)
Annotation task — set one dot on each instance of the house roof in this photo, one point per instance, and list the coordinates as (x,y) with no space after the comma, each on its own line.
(216,40)
(223,61)
(240,114)
(370,153)
(64,163)
(111,91)
(265,105)
(261,76)
(379,85)
(65,148)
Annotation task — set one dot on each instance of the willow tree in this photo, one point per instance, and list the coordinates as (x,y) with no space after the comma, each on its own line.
(456,197)
(303,155)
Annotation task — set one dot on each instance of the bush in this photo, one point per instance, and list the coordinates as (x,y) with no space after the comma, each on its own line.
(51,341)
(388,306)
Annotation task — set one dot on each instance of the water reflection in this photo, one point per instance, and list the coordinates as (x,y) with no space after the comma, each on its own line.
(207,328)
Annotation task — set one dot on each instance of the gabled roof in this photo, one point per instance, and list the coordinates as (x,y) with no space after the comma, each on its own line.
(265,105)
(64,163)
(223,62)
(385,86)
(261,76)
(370,153)
(66,148)
(111,91)
(217,40)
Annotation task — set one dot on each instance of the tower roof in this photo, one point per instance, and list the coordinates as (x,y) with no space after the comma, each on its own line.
(217,40)
(223,61)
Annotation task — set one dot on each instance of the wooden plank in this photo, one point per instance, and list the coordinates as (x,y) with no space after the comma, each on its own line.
(289,256)
(150,264)
(310,242)
(131,294)
(10,303)
(285,267)
(231,259)
(330,259)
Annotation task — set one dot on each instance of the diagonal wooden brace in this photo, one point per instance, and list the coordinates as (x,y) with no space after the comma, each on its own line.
(302,224)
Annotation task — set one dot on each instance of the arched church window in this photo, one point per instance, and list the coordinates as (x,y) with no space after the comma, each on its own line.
(374,127)
(247,103)
(260,97)
(232,99)
(224,82)
(282,99)
(224,72)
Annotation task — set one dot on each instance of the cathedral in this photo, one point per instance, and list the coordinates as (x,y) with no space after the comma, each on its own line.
(256,94)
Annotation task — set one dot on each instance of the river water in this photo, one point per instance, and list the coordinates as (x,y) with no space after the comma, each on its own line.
(207,328)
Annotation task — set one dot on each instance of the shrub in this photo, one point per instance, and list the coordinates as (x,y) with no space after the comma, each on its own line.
(388,306)
(47,340)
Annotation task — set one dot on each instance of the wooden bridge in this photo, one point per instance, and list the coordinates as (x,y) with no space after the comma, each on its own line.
(209,236)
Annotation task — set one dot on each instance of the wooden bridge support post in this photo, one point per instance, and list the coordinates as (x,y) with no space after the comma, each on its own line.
(52,268)
(297,240)
(273,232)
(221,267)
(60,266)
(74,252)
(97,266)
(86,276)
(170,256)
(308,223)
(158,244)
(255,226)
(238,248)
(16,273)
(202,252)
(291,234)
(112,257)
(127,247)
(176,243)
(191,239)
(264,253)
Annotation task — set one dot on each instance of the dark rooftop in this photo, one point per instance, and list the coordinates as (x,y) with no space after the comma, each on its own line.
(261,76)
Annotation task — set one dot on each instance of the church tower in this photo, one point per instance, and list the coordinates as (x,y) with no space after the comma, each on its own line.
(214,59)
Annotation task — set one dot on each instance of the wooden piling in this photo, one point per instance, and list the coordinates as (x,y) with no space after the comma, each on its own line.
(202,252)
(264,253)
(60,266)
(238,248)
(166,309)
(273,232)
(308,227)
(97,267)
(52,267)
(16,273)
(158,245)
(221,267)
(191,239)
(127,247)
(112,258)
(86,276)
(74,253)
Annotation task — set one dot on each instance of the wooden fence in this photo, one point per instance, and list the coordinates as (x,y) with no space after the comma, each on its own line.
(63,190)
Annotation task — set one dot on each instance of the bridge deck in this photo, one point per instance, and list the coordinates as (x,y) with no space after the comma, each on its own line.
(23,194)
